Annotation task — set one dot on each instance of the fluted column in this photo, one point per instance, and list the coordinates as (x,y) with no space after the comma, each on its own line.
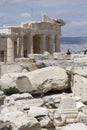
(42,43)
(57,43)
(18,41)
(30,43)
(20,46)
(10,49)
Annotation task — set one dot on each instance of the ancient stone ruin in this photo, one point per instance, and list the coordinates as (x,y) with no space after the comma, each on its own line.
(41,88)
(30,37)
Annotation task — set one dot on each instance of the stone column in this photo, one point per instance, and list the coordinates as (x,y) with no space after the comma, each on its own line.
(10,49)
(51,42)
(57,43)
(30,43)
(20,46)
(18,41)
(42,43)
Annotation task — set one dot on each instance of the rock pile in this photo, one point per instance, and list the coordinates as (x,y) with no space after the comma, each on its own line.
(38,81)
(23,111)
(52,97)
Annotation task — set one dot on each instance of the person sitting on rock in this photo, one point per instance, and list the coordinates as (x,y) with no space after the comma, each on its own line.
(68,52)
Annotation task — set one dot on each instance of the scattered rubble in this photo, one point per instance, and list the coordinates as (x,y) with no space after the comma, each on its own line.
(52,97)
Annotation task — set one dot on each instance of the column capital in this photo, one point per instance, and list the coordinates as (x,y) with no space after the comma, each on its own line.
(20,34)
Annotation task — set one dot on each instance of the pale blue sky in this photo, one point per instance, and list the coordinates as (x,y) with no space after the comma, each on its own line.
(73,12)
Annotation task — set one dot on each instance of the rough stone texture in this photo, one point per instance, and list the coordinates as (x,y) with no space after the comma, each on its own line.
(38,81)
(38,111)
(22,109)
(67,102)
(82,118)
(24,71)
(19,121)
(16,97)
(79,105)
(15,83)
(68,109)
(23,84)
(45,122)
(2,97)
(56,114)
(40,64)
(49,78)
(24,104)
(46,55)
(30,66)
(23,60)
(52,101)
(79,87)
(80,71)
(52,97)
(36,57)
(81,59)
(5,125)
(78,126)
(84,109)
(12,68)
(60,55)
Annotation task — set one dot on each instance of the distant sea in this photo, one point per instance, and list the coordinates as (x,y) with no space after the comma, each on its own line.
(74,44)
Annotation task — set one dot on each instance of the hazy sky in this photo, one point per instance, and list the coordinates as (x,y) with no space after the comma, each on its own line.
(73,12)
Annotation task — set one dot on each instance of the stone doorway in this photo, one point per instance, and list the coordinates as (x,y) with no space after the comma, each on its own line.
(36,44)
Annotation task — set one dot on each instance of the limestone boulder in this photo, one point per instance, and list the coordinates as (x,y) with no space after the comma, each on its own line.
(77,126)
(82,118)
(19,121)
(53,97)
(23,60)
(46,122)
(11,68)
(29,66)
(23,103)
(81,60)
(40,64)
(49,78)
(84,109)
(79,87)
(38,81)
(38,111)
(47,55)
(68,109)
(69,70)
(17,97)
(59,55)
(79,105)
(12,83)
(36,57)
(52,101)
(80,71)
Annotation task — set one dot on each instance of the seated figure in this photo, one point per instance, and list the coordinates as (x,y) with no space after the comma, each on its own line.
(68,52)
